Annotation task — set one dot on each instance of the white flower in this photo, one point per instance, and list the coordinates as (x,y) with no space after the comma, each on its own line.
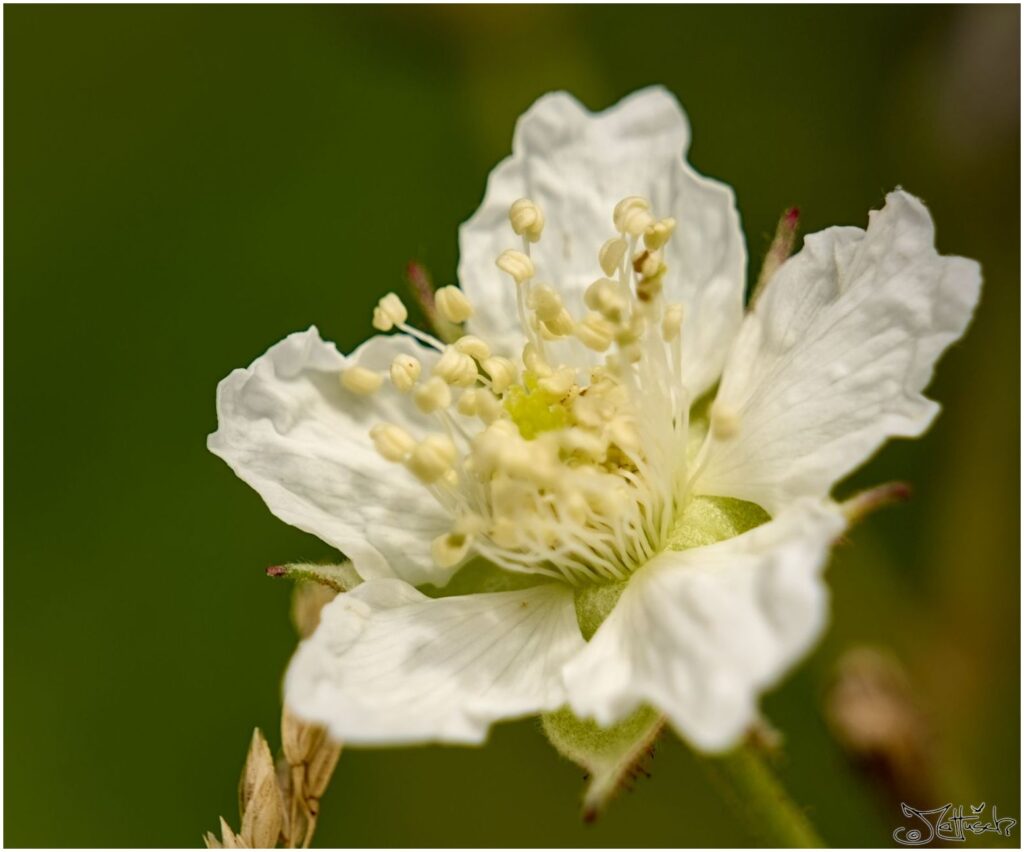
(602,283)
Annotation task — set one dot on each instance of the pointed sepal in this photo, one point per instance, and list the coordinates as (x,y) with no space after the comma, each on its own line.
(340,578)
(611,756)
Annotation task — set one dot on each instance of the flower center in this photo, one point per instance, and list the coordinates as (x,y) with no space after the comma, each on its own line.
(569,461)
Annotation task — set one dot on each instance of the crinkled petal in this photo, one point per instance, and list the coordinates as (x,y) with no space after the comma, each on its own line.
(576,166)
(834,357)
(388,665)
(288,428)
(700,633)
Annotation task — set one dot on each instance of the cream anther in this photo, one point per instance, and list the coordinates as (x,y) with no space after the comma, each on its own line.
(502,372)
(456,368)
(611,254)
(488,406)
(672,322)
(467,403)
(516,264)
(392,442)
(600,403)
(432,395)
(534,361)
(623,433)
(474,347)
(527,219)
(576,507)
(405,371)
(605,296)
(632,331)
(648,289)
(587,410)
(659,233)
(725,422)
(595,332)
(632,216)
(560,325)
(453,305)
(450,549)
(489,445)
(558,383)
(389,312)
(545,332)
(504,533)
(361,381)
(534,462)
(432,458)
(576,440)
(632,353)
(544,302)
(649,264)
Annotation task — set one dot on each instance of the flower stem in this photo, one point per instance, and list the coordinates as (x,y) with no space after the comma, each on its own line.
(755,791)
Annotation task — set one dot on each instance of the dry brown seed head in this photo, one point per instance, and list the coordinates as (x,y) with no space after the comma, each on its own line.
(261,804)
(321,767)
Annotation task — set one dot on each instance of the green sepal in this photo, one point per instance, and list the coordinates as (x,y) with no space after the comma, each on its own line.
(479,577)
(708,520)
(340,578)
(611,756)
(594,604)
(315,587)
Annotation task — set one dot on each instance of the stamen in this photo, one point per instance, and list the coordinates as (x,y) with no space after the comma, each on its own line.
(578,472)
(604,296)
(361,381)
(516,264)
(632,216)
(467,404)
(456,368)
(527,219)
(649,264)
(432,458)
(659,233)
(405,371)
(432,395)
(392,442)
(502,372)
(534,361)
(453,305)
(545,302)
(595,332)
(561,325)
(488,406)
(611,254)
(389,312)
(450,549)
(421,336)
(672,322)
(474,347)
(558,383)
(631,331)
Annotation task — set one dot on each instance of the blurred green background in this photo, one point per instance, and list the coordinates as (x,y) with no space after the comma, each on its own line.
(186,185)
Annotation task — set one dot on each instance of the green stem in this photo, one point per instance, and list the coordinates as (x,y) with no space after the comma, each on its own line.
(756,793)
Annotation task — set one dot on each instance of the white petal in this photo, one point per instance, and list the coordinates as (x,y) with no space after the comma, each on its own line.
(834,357)
(577,165)
(388,665)
(288,428)
(700,633)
